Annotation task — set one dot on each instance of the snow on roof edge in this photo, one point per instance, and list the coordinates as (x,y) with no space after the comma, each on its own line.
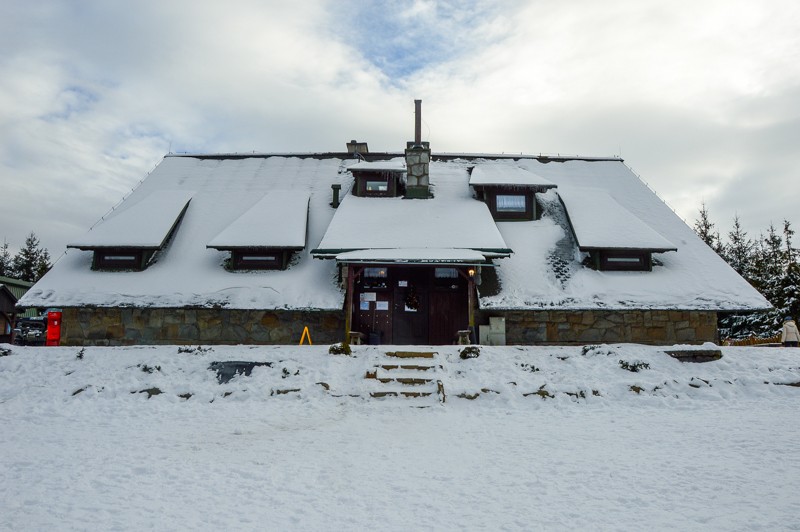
(346,155)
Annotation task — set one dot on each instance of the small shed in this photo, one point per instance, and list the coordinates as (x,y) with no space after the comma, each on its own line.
(11,290)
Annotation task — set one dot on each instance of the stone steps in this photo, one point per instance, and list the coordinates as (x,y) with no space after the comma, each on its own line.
(404,380)
(412,380)
(395,393)
(412,367)
(412,354)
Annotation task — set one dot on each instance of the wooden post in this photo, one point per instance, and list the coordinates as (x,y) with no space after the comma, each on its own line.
(348,304)
(470,301)
(471,309)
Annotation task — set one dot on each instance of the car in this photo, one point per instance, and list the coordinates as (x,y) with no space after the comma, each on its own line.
(30,331)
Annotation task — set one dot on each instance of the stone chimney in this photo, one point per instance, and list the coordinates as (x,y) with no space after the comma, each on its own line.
(418,159)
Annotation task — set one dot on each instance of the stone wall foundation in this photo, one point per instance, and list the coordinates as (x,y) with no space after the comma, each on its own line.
(655,327)
(154,326)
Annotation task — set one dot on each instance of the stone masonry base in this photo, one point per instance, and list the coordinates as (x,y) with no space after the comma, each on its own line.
(655,327)
(151,326)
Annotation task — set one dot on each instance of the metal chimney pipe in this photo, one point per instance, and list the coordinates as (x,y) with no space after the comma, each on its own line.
(418,122)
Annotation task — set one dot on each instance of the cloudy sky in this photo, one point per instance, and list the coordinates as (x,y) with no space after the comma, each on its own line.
(700,97)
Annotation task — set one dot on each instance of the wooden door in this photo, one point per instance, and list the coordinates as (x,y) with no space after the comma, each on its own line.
(448,315)
(372,305)
(410,312)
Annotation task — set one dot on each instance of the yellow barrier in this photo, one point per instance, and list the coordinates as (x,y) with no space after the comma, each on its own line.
(306,334)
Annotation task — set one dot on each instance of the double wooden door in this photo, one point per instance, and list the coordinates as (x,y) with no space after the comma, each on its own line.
(413,306)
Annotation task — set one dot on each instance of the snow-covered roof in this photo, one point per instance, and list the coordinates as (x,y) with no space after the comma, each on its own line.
(692,278)
(600,222)
(429,255)
(498,174)
(393,165)
(139,224)
(443,222)
(277,220)
(545,270)
(186,273)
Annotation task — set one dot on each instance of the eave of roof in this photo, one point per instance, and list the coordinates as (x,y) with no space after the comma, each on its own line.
(422,255)
(392,165)
(495,175)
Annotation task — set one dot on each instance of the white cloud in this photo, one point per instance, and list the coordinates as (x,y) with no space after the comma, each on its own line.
(701,97)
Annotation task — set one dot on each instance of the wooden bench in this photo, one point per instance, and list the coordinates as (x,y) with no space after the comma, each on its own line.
(356,338)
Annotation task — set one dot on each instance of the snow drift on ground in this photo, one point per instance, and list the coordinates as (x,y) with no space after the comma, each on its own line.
(553,438)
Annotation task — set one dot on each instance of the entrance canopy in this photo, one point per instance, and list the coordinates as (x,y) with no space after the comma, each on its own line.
(413,255)
(438,229)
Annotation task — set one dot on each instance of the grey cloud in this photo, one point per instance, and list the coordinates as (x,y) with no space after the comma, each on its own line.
(92,96)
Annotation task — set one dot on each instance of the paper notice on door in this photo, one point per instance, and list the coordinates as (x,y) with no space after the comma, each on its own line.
(368,296)
(381,305)
(364,305)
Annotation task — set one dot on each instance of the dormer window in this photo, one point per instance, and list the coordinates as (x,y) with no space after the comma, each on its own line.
(381,179)
(266,235)
(258,260)
(615,238)
(619,260)
(121,259)
(129,240)
(509,191)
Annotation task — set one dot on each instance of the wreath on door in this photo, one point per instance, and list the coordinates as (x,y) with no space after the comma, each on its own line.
(412,299)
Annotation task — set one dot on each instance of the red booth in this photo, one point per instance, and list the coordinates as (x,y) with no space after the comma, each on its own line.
(53,327)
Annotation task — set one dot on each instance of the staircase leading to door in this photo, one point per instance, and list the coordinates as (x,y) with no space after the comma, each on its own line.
(409,375)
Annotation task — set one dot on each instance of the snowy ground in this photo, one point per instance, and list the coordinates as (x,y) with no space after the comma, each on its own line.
(710,446)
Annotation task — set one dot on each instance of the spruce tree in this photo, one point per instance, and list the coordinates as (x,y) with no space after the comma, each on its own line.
(42,264)
(790,282)
(32,262)
(768,262)
(772,265)
(6,263)
(704,228)
(739,250)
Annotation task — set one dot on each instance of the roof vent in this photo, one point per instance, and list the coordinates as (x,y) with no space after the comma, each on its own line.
(354,147)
